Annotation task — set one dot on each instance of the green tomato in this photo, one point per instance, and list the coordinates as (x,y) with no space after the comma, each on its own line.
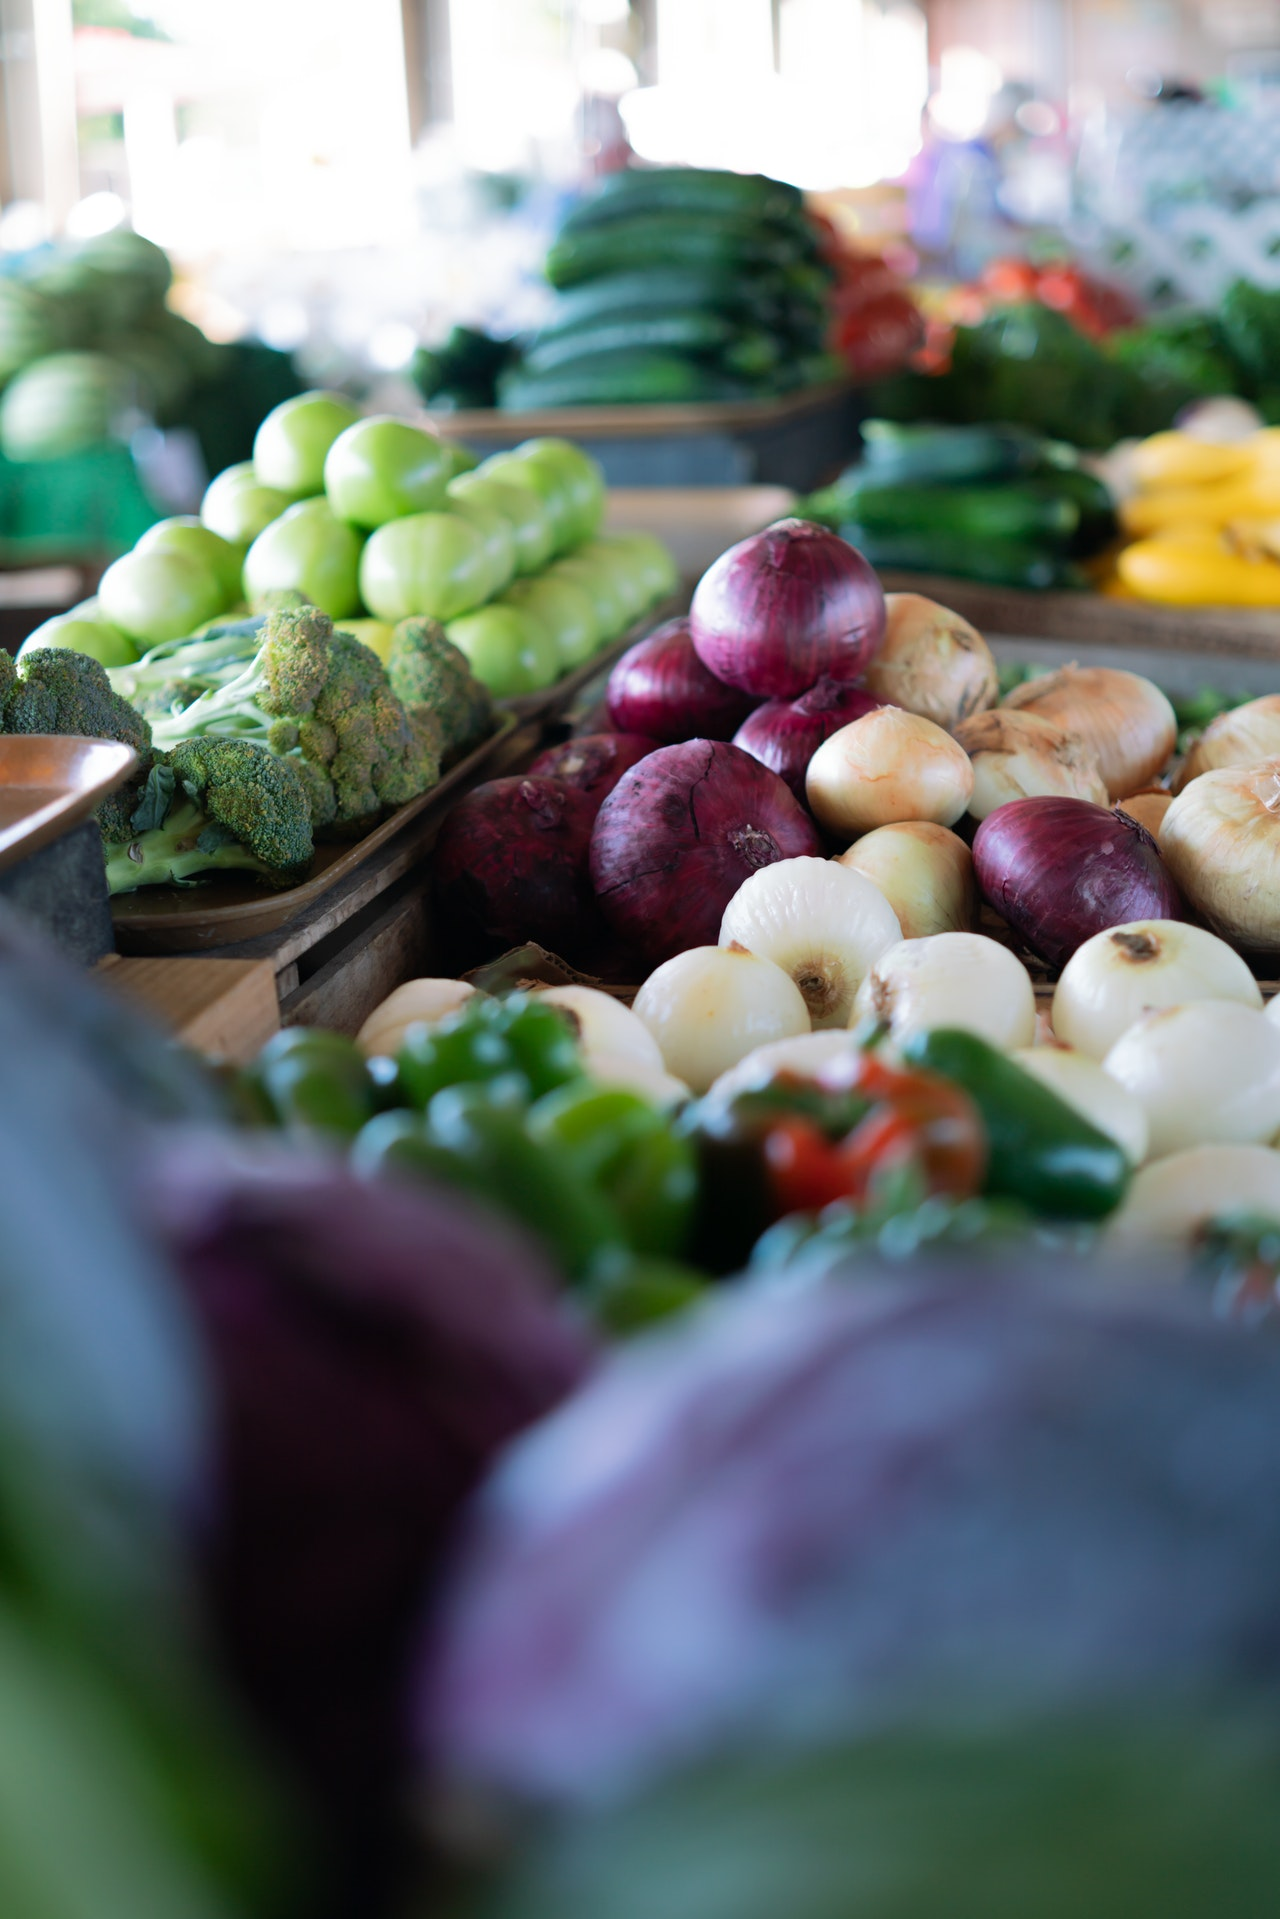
(620,565)
(436,564)
(308,550)
(523,509)
(237,506)
(612,604)
(506,650)
(104,643)
(546,484)
(461,458)
(567,613)
(289,447)
(381,469)
(189,535)
(582,477)
(159,595)
(377,635)
(653,563)
(499,539)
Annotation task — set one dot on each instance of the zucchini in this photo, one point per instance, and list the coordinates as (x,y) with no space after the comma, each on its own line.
(942,454)
(684,190)
(1035,511)
(995,562)
(678,289)
(693,330)
(629,378)
(666,240)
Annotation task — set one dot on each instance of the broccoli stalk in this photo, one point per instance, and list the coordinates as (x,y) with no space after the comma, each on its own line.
(214,806)
(322,699)
(168,678)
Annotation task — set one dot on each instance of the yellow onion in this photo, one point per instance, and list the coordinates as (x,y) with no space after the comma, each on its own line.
(1171,1199)
(1148,808)
(1083,1084)
(931,661)
(1221,841)
(924,871)
(1245,736)
(1017,756)
(712,1005)
(1125,719)
(419,1002)
(953,979)
(887,766)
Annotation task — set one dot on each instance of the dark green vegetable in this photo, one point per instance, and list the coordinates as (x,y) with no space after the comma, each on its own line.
(624,1146)
(673,290)
(621,196)
(1041,1152)
(697,331)
(214,806)
(310,1080)
(490,1039)
(669,239)
(997,562)
(1031,511)
(464,369)
(898,454)
(634,376)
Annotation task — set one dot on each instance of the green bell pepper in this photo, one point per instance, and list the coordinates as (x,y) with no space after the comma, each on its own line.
(309,1080)
(485,1040)
(625,1148)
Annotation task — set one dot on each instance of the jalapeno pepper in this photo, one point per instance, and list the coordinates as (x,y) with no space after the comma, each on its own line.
(314,1081)
(1041,1151)
(624,1147)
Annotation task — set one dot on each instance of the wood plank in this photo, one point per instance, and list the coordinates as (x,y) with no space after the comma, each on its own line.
(223,1007)
(641,422)
(343,993)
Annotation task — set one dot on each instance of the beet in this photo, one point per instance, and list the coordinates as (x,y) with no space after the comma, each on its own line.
(593,762)
(510,866)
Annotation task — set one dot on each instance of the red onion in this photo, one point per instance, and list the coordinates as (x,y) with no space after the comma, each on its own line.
(784,735)
(1061,870)
(678,835)
(660,687)
(511,866)
(593,762)
(778,611)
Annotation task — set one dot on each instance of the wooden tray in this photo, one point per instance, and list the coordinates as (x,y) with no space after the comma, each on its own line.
(228,909)
(492,425)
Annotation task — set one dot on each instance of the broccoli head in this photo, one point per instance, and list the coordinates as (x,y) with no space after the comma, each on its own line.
(214,806)
(54,690)
(426,670)
(8,677)
(321,697)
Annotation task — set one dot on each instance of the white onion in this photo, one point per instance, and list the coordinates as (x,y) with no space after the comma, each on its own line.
(1083,1084)
(1244,736)
(924,871)
(823,925)
(1272,1009)
(810,1056)
(887,766)
(931,661)
(1126,971)
(712,1005)
(952,979)
(1171,1199)
(1221,842)
(419,1002)
(1127,721)
(603,1024)
(1205,1072)
(1018,755)
(636,1076)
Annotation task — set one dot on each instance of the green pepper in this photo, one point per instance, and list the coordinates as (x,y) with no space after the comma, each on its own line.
(542,1043)
(1041,1151)
(314,1081)
(627,1298)
(626,1149)
(484,1040)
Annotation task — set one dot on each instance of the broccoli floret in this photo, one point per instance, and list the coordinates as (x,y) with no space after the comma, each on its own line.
(427,670)
(214,806)
(321,697)
(8,676)
(54,690)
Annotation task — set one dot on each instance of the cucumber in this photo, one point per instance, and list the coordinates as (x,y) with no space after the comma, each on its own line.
(692,331)
(996,562)
(665,240)
(684,190)
(1032,511)
(621,379)
(760,297)
(938,454)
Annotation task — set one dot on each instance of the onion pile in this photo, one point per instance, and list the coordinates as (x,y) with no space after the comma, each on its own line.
(1127,721)
(924,871)
(1017,755)
(1059,871)
(1221,841)
(952,979)
(709,1007)
(1205,1072)
(1245,736)
(1117,976)
(680,833)
(889,766)
(661,689)
(784,735)
(823,924)
(932,662)
(779,611)
(593,762)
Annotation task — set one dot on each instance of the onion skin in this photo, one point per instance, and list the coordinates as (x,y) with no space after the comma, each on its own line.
(1148,808)
(932,662)
(661,689)
(680,833)
(1244,736)
(1221,841)
(889,766)
(1058,871)
(784,735)
(1125,719)
(510,865)
(1017,755)
(785,608)
(593,762)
